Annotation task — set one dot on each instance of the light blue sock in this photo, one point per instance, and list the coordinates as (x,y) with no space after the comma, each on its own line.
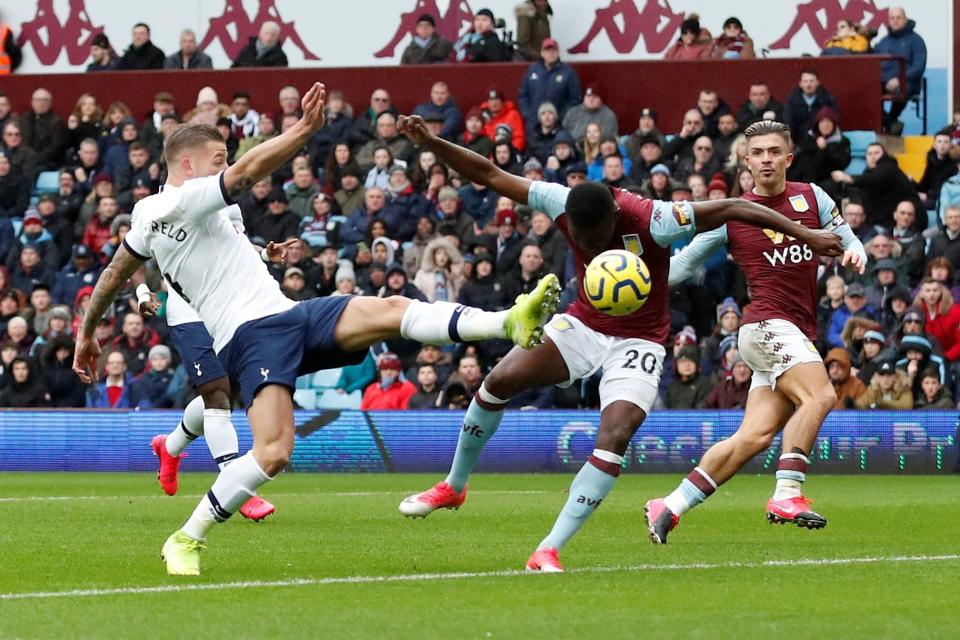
(588,490)
(479,425)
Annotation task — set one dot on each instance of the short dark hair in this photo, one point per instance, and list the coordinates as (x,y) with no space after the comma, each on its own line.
(240,94)
(144,25)
(590,204)
(930,372)
(811,71)
(767,127)
(136,145)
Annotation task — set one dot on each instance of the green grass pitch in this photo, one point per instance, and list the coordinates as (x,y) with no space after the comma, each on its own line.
(887,566)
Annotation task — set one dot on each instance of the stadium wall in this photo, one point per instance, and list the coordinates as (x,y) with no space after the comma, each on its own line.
(909,442)
(627,87)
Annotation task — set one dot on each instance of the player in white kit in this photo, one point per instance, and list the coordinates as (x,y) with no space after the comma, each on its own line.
(209,413)
(264,339)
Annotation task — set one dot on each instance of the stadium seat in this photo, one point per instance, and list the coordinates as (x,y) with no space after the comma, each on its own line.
(917,144)
(330,399)
(859,141)
(47,182)
(303,382)
(856,166)
(305,398)
(912,164)
(326,379)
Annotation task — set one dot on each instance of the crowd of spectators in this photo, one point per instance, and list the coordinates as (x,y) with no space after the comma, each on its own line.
(375,215)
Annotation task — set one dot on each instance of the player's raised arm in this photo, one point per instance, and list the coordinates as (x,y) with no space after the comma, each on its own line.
(267,157)
(712,214)
(468,164)
(113,278)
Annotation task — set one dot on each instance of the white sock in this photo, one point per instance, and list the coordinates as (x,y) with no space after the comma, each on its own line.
(235,485)
(189,429)
(221,436)
(447,322)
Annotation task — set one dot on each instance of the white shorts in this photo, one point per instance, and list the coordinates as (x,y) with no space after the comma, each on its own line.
(631,366)
(772,347)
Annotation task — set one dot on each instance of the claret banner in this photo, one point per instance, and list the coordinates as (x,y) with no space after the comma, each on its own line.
(56,34)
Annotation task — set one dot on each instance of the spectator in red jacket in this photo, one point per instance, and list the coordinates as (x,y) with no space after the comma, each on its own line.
(943,316)
(98,231)
(390,391)
(497,111)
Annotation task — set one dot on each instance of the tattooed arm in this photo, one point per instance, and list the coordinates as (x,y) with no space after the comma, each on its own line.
(267,157)
(111,281)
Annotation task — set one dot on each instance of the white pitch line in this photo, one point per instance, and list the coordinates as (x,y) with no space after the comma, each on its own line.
(425,577)
(332,494)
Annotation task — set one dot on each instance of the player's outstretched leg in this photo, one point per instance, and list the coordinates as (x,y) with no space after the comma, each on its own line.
(367,320)
(479,424)
(518,371)
(809,388)
(766,413)
(271,419)
(618,422)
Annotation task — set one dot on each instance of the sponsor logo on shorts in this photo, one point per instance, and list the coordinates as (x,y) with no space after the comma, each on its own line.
(265,373)
(196,365)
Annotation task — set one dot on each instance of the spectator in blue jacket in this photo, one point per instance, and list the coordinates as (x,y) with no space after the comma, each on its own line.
(441,107)
(548,80)
(151,390)
(113,392)
(854,305)
(479,202)
(82,271)
(901,40)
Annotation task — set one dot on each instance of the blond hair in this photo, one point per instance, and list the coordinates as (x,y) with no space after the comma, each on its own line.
(188,136)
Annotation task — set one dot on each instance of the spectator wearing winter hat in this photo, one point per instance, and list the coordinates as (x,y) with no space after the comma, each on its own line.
(391,390)
(441,271)
(427,46)
(590,109)
(847,387)
(728,324)
(658,187)
(280,222)
(152,389)
(55,322)
(209,109)
(102,55)
(346,280)
(351,194)
(396,284)
(32,233)
(118,230)
(915,355)
(481,43)
(548,80)
(56,369)
(942,316)
(733,43)
(563,155)
(884,279)
(933,394)
(731,393)
(822,151)
(896,304)
(483,290)
(264,50)
(889,389)
(542,134)
(694,40)
(689,388)
(872,354)
(497,110)
(473,136)
(717,188)
(25,389)
(575,173)
(507,243)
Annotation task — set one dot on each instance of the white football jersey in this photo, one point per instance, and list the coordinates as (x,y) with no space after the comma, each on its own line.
(204,258)
(178,311)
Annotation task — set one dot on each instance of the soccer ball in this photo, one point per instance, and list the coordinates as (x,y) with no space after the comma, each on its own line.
(617,282)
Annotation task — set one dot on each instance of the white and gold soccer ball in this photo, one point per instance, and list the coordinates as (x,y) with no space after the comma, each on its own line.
(617,282)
